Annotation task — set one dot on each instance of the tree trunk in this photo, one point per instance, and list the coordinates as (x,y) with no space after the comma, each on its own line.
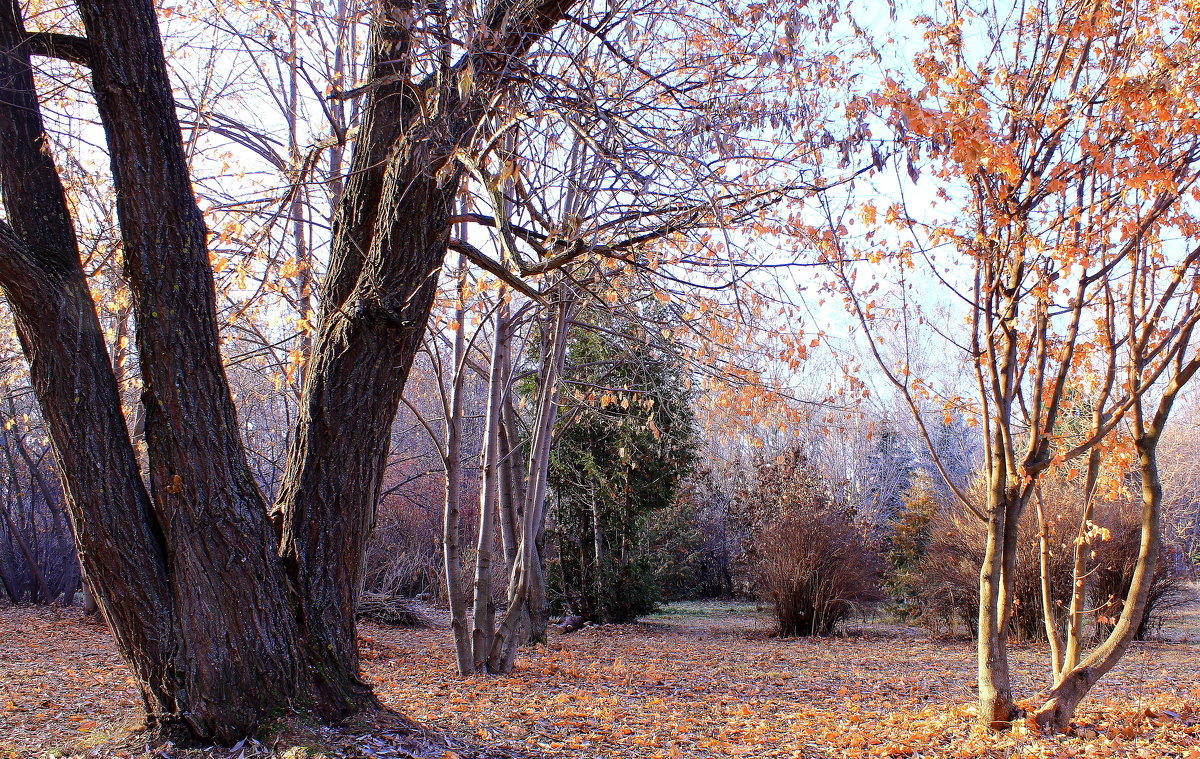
(89,601)
(1079,572)
(1050,619)
(451,530)
(116,532)
(207,501)
(513,481)
(1063,699)
(39,579)
(996,709)
(483,625)
(221,633)
(526,594)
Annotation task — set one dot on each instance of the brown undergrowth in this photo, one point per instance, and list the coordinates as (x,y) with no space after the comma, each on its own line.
(699,681)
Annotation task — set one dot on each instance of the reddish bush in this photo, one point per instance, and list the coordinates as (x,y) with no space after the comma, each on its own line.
(809,559)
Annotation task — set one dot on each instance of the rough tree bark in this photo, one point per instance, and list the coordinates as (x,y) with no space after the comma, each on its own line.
(223,624)
(120,542)
(389,241)
(234,627)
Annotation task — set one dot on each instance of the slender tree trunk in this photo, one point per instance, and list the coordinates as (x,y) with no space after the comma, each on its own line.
(1079,572)
(1049,615)
(527,597)
(597,534)
(505,497)
(484,623)
(996,709)
(512,491)
(90,608)
(451,531)
(1063,699)
(8,582)
(39,579)
(42,588)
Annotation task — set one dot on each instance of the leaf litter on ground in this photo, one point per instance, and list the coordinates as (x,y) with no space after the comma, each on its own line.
(698,681)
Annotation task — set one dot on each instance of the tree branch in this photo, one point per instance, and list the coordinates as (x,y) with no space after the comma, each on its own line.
(65,47)
(480,259)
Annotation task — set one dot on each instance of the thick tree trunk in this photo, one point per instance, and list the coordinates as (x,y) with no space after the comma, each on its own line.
(220,632)
(361,352)
(389,240)
(116,532)
(236,632)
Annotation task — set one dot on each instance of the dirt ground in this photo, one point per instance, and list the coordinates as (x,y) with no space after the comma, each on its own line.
(699,680)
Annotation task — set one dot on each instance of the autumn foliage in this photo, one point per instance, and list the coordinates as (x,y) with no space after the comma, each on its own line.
(605,237)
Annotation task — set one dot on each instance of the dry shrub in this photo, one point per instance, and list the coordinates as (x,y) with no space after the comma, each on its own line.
(941,586)
(1115,560)
(944,580)
(389,610)
(947,581)
(403,558)
(809,559)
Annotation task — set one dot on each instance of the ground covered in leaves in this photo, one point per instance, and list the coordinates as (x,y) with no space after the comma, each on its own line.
(697,681)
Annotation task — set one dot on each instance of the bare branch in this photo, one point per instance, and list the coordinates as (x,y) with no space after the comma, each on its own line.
(65,47)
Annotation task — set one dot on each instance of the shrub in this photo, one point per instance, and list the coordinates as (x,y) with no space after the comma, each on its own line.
(809,559)
(697,541)
(946,579)
(1115,560)
(933,572)
(938,549)
(403,558)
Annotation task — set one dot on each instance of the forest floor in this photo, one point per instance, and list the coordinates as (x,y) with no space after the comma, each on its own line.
(698,680)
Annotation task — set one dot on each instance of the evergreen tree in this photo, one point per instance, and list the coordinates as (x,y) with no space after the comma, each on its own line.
(629,442)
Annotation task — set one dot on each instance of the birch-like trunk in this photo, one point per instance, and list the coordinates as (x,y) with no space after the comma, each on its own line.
(483,624)
(526,596)
(452,456)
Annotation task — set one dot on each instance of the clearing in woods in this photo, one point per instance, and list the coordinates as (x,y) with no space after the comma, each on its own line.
(698,680)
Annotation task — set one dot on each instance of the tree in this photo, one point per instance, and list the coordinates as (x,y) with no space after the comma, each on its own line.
(1068,149)
(173,558)
(628,443)
(587,182)
(889,471)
